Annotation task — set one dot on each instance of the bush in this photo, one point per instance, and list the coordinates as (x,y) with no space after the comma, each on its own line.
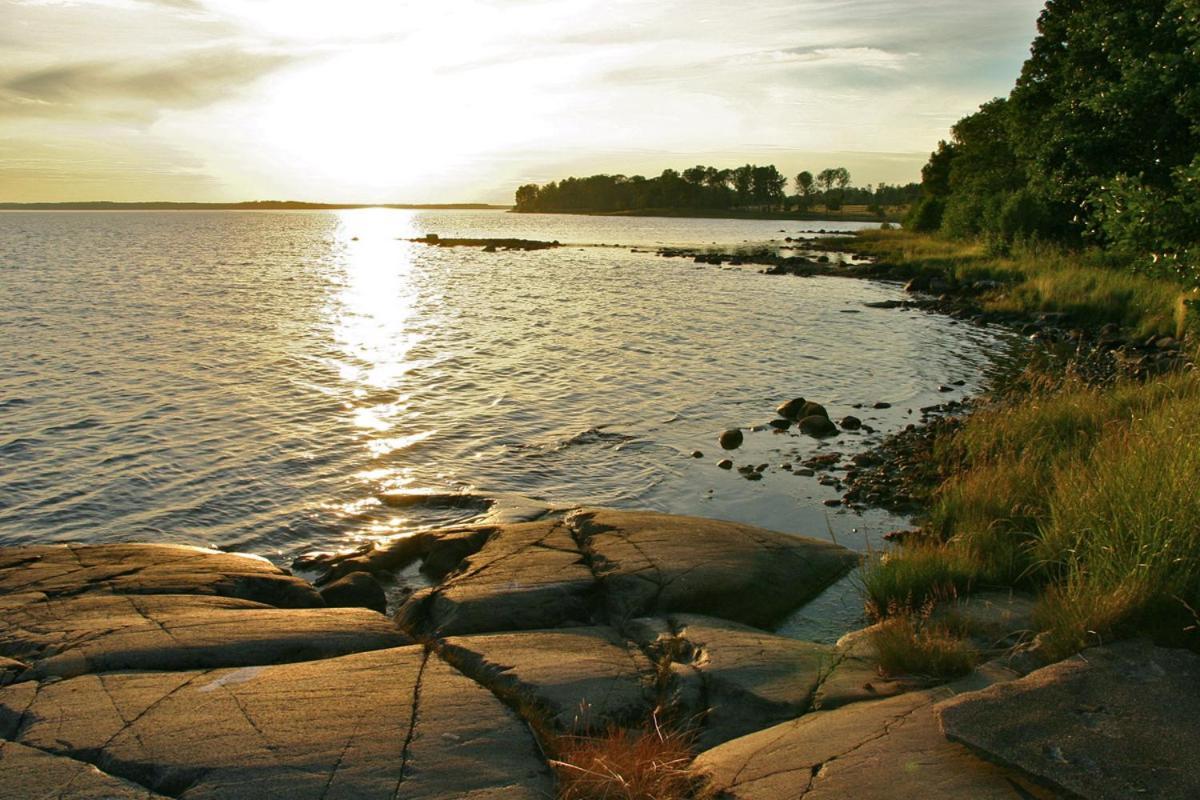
(926,215)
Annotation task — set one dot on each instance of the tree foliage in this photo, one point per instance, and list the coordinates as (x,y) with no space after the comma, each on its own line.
(703,187)
(1099,138)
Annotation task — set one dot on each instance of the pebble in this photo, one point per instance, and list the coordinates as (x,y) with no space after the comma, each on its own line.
(725,463)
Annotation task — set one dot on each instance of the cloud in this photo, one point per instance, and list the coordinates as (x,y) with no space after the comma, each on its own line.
(135,90)
(866,57)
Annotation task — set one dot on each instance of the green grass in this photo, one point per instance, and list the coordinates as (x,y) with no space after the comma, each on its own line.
(1088,286)
(1089,495)
(910,644)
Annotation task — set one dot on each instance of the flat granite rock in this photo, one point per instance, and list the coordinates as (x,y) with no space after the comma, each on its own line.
(525,577)
(745,679)
(584,678)
(650,564)
(386,724)
(1113,722)
(27,773)
(66,570)
(98,632)
(880,750)
(592,566)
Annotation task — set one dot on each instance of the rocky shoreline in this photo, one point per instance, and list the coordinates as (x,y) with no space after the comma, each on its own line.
(162,671)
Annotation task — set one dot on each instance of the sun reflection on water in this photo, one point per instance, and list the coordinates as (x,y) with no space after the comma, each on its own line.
(372,315)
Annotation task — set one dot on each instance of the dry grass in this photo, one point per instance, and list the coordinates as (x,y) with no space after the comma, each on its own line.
(652,763)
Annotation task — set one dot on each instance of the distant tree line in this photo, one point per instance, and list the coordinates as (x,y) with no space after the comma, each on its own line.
(1099,141)
(701,187)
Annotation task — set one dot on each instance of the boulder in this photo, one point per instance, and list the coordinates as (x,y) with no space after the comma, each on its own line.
(731,439)
(582,679)
(650,564)
(598,565)
(818,425)
(382,724)
(97,632)
(356,590)
(791,409)
(1113,722)
(59,570)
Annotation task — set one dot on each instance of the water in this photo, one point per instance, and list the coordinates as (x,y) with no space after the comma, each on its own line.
(274,382)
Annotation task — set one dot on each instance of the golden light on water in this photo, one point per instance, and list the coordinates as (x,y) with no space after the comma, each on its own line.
(370,319)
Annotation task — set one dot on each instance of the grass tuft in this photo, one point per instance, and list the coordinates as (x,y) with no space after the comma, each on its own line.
(910,643)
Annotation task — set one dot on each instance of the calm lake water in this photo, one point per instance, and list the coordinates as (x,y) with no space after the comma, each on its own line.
(280,382)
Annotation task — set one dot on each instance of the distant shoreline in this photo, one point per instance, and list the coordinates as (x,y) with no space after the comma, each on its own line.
(718,213)
(261,205)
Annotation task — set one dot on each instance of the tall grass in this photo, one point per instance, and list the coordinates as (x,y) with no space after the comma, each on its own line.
(1088,286)
(1090,495)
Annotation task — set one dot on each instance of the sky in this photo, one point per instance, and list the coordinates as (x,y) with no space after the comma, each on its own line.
(463,100)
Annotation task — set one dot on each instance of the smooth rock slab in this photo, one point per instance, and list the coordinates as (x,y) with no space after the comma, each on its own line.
(1113,722)
(63,570)
(26,773)
(584,678)
(386,724)
(651,564)
(97,632)
(881,750)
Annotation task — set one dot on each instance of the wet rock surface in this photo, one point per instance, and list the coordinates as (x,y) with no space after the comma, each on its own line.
(1113,722)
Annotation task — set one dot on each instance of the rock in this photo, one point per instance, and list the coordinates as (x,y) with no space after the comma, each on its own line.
(29,773)
(725,463)
(851,423)
(780,424)
(749,679)
(649,563)
(817,425)
(811,409)
(791,409)
(56,570)
(944,388)
(697,454)
(880,750)
(992,619)
(584,678)
(391,723)
(356,590)
(10,669)
(731,439)
(1113,722)
(95,632)
(882,405)
(526,576)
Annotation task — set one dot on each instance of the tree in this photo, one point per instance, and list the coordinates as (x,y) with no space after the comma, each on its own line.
(743,183)
(805,188)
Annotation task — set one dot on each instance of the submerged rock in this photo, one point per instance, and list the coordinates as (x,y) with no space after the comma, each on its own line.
(851,423)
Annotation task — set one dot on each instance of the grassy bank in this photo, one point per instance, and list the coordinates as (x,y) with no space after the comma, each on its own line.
(1090,288)
(1085,495)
